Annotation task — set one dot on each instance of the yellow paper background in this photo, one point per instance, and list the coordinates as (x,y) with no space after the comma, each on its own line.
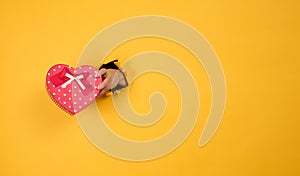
(257,43)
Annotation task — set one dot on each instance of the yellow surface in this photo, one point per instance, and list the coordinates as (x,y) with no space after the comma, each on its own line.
(257,43)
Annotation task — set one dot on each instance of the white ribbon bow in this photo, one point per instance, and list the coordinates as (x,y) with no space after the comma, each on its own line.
(72,78)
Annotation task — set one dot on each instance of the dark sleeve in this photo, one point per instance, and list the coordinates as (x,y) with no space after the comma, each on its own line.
(112,65)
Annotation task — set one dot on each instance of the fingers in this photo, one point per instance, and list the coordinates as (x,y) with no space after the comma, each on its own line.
(110,80)
(104,84)
(103,91)
(101,72)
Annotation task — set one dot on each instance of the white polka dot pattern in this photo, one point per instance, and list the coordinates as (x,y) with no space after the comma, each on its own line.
(72,98)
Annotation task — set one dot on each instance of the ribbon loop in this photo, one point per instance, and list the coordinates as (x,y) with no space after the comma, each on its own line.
(72,78)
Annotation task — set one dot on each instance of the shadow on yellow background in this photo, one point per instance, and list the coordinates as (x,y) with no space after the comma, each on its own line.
(257,43)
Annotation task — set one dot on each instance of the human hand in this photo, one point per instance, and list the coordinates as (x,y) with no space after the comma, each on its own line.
(110,80)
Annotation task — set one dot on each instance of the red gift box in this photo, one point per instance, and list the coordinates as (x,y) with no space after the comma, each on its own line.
(72,89)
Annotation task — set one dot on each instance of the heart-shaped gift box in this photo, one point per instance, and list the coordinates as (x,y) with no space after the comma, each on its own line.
(72,89)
